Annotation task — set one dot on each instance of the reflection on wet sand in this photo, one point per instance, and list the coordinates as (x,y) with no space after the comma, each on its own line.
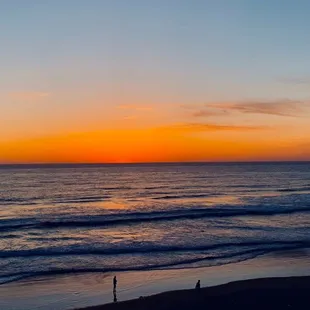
(114,296)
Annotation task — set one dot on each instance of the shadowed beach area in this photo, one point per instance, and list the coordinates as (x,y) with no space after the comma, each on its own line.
(268,293)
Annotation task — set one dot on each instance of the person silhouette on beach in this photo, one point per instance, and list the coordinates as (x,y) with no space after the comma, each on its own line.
(114,283)
(197,287)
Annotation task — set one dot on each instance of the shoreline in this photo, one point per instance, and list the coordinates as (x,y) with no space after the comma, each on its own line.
(268,293)
(77,291)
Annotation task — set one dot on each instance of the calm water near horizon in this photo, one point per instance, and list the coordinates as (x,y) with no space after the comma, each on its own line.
(103,218)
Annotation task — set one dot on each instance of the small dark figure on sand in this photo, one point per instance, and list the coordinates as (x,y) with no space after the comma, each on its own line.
(114,283)
(197,287)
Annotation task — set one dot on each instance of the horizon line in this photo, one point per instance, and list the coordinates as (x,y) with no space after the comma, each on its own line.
(153,163)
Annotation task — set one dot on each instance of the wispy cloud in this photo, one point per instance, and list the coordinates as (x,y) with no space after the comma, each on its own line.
(201,111)
(285,107)
(302,80)
(206,127)
(28,96)
(130,117)
(207,113)
(135,107)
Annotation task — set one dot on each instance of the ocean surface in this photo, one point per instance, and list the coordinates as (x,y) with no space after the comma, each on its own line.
(101,218)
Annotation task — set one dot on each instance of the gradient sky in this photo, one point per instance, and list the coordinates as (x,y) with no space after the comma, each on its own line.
(164,80)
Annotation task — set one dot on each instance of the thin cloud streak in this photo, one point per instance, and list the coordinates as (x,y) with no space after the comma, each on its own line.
(206,127)
(303,80)
(130,117)
(135,107)
(207,113)
(285,107)
(198,111)
(279,108)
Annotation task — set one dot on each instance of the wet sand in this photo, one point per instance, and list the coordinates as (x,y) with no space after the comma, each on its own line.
(63,292)
(268,293)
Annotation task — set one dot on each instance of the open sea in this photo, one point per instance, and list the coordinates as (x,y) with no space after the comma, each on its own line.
(73,219)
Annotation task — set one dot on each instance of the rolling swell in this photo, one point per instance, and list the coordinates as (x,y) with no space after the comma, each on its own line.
(155,216)
(292,190)
(181,196)
(16,201)
(67,251)
(213,261)
(82,199)
(217,260)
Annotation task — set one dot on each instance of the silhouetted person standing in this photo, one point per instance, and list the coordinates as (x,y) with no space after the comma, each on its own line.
(197,287)
(114,283)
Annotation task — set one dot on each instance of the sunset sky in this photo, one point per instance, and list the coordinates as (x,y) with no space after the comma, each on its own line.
(148,81)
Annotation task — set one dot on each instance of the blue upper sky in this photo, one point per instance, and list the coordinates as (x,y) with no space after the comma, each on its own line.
(209,46)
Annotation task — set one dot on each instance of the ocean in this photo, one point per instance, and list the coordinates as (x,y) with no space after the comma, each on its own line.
(78,219)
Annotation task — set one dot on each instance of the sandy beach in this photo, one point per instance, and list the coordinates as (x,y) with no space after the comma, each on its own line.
(268,293)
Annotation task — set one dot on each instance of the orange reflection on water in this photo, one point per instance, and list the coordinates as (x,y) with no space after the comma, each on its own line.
(225,199)
(118,236)
(210,201)
(114,204)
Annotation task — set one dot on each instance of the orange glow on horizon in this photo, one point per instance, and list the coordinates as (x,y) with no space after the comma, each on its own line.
(167,144)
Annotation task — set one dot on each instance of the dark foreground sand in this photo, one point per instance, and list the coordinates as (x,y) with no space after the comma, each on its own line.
(273,293)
